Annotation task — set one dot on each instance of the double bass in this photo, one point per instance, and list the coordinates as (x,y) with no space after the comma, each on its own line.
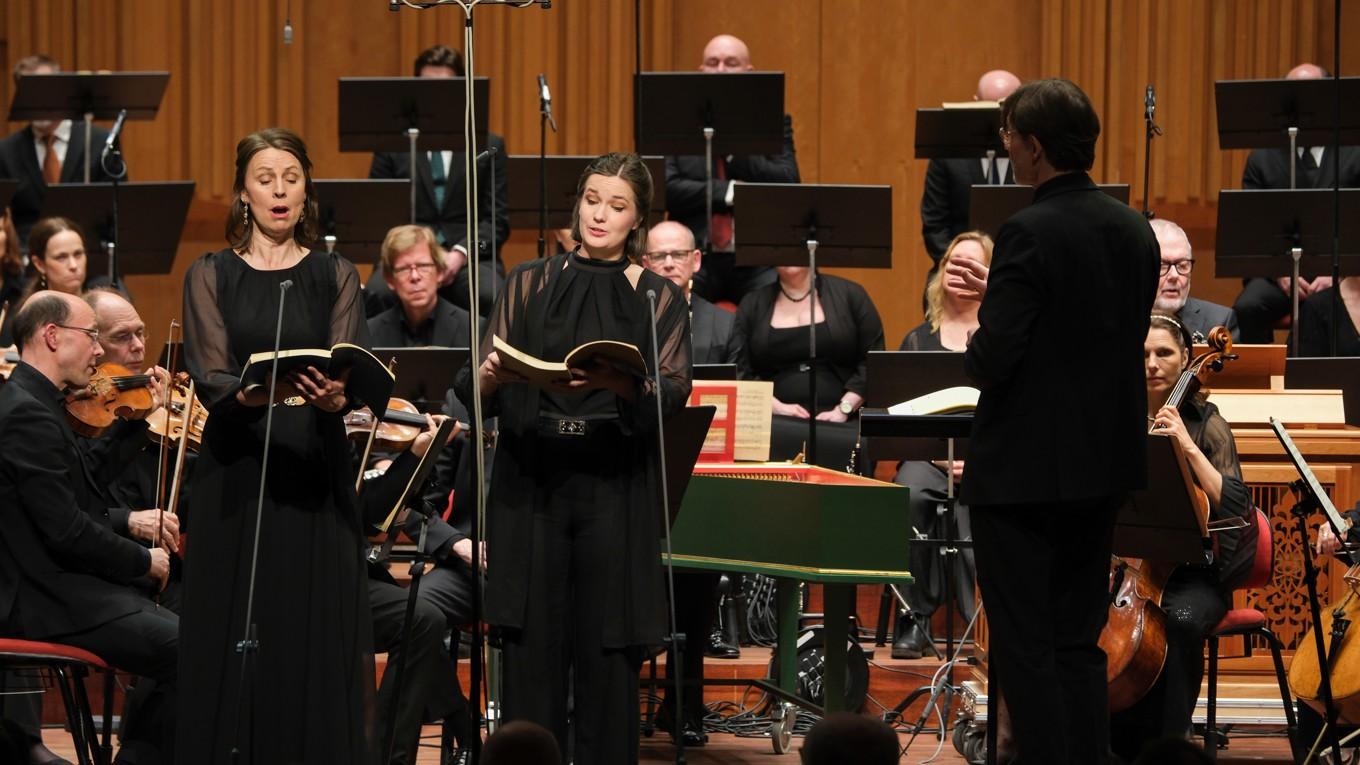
(1343,657)
(1134,637)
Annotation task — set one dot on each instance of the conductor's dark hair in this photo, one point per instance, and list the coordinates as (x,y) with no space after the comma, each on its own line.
(1060,116)
(439,55)
(847,738)
(631,169)
(239,222)
(37,313)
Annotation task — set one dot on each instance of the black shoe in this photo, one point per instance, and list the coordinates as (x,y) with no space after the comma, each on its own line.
(913,638)
(718,648)
(691,731)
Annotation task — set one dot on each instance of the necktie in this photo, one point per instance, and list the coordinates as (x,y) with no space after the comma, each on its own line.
(995,178)
(439,176)
(51,162)
(1308,170)
(720,228)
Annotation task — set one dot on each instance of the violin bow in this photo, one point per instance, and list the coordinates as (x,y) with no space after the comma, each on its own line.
(162,464)
(172,504)
(372,434)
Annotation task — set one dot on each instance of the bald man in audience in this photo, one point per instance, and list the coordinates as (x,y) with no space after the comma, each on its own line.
(1173,288)
(671,252)
(1263,303)
(686,190)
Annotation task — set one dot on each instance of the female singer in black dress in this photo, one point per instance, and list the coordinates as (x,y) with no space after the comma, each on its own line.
(574,577)
(310,681)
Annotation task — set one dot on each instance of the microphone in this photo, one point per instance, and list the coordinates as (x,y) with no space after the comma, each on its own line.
(1150,103)
(114,133)
(288,32)
(545,100)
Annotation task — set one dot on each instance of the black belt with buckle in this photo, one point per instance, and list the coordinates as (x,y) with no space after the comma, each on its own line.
(567,427)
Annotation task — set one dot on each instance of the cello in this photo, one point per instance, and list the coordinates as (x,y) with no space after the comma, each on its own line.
(1134,636)
(1343,660)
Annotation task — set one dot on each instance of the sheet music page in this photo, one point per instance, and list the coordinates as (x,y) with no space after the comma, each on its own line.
(755,399)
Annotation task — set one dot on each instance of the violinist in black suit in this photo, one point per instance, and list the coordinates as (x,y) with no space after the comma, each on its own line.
(45,152)
(440,204)
(411,265)
(1049,464)
(64,576)
(1263,302)
(685,190)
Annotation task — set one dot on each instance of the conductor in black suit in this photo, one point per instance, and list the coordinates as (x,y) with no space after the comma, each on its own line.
(1264,302)
(1051,460)
(440,204)
(722,279)
(64,576)
(45,152)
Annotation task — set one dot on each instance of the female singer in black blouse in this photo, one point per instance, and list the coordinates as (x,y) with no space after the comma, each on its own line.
(311,678)
(574,578)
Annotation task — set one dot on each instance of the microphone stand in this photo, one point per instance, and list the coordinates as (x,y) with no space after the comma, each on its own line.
(1336,184)
(249,644)
(117,171)
(677,640)
(544,118)
(1151,130)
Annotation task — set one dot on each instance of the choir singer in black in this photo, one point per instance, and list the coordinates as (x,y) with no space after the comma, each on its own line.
(1051,459)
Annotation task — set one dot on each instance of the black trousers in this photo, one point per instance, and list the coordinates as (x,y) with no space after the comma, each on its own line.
(145,643)
(1044,572)
(1194,602)
(430,687)
(929,487)
(1261,304)
(721,278)
(696,605)
(570,593)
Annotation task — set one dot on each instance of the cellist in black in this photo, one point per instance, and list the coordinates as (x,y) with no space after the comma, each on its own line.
(1195,597)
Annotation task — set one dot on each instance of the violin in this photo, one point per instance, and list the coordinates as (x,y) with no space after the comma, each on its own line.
(396,430)
(167,423)
(1134,637)
(113,393)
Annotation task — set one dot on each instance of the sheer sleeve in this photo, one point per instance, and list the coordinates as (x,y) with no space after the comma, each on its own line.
(348,321)
(1235,548)
(509,306)
(868,337)
(673,380)
(207,351)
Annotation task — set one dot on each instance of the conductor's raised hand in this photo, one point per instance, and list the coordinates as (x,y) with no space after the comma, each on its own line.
(317,389)
(494,375)
(967,276)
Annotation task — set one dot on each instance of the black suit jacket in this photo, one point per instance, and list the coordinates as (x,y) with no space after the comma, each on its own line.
(451,327)
(1269,169)
(946,199)
(711,329)
(61,571)
(1075,266)
(685,182)
(19,160)
(1200,316)
(451,218)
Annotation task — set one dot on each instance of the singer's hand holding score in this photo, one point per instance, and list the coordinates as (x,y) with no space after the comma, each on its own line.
(318,390)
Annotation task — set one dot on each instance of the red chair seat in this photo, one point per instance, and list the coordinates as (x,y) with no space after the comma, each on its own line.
(1240,620)
(13,648)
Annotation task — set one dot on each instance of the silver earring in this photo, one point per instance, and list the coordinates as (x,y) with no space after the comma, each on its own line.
(245,216)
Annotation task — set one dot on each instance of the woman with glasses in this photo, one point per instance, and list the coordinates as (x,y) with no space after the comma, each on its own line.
(412,264)
(309,676)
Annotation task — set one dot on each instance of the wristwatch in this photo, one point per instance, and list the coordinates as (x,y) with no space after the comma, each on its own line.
(846,409)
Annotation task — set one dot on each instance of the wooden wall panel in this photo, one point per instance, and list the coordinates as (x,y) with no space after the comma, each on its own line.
(856,72)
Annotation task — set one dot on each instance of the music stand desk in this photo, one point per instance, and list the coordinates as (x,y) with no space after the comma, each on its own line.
(151,219)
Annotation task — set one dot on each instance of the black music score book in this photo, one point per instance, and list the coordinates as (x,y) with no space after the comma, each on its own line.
(369,380)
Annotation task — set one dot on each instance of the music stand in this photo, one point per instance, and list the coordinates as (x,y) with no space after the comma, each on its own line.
(1313,497)
(150,221)
(698,113)
(1161,522)
(960,132)
(1256,114)
(88,96)
(990,205)
(395,114)
(1328,372)
(715,371)
(357,213)
(562,174)
(1258,228)
(791,223)
(424,375)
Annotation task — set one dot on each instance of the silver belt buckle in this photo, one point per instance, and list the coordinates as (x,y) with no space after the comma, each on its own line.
(571,427)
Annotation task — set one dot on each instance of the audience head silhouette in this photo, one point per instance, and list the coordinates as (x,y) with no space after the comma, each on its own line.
(846,738)
(521,743)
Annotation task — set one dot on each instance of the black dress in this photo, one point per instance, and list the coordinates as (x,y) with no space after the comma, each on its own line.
(1315,327)
(573,522)
(314,670)
(922,338)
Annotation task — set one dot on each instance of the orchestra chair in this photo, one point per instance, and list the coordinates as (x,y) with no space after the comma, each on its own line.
(69,666)
(1248,623)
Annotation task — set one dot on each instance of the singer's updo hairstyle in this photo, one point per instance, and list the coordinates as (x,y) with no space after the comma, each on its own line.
(634,172)
(239,222)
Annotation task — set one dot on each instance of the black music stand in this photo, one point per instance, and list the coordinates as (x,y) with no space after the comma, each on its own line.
(150,219)
(1328,372)
(990,205)
(699,113)
(357,214)
(1160,522)
(1311,497)
(1256,114)
(562,174)
(790,224)
(1259,228)
(960,132)
(86,97)
(424,375)
(395,114)
(715,371)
